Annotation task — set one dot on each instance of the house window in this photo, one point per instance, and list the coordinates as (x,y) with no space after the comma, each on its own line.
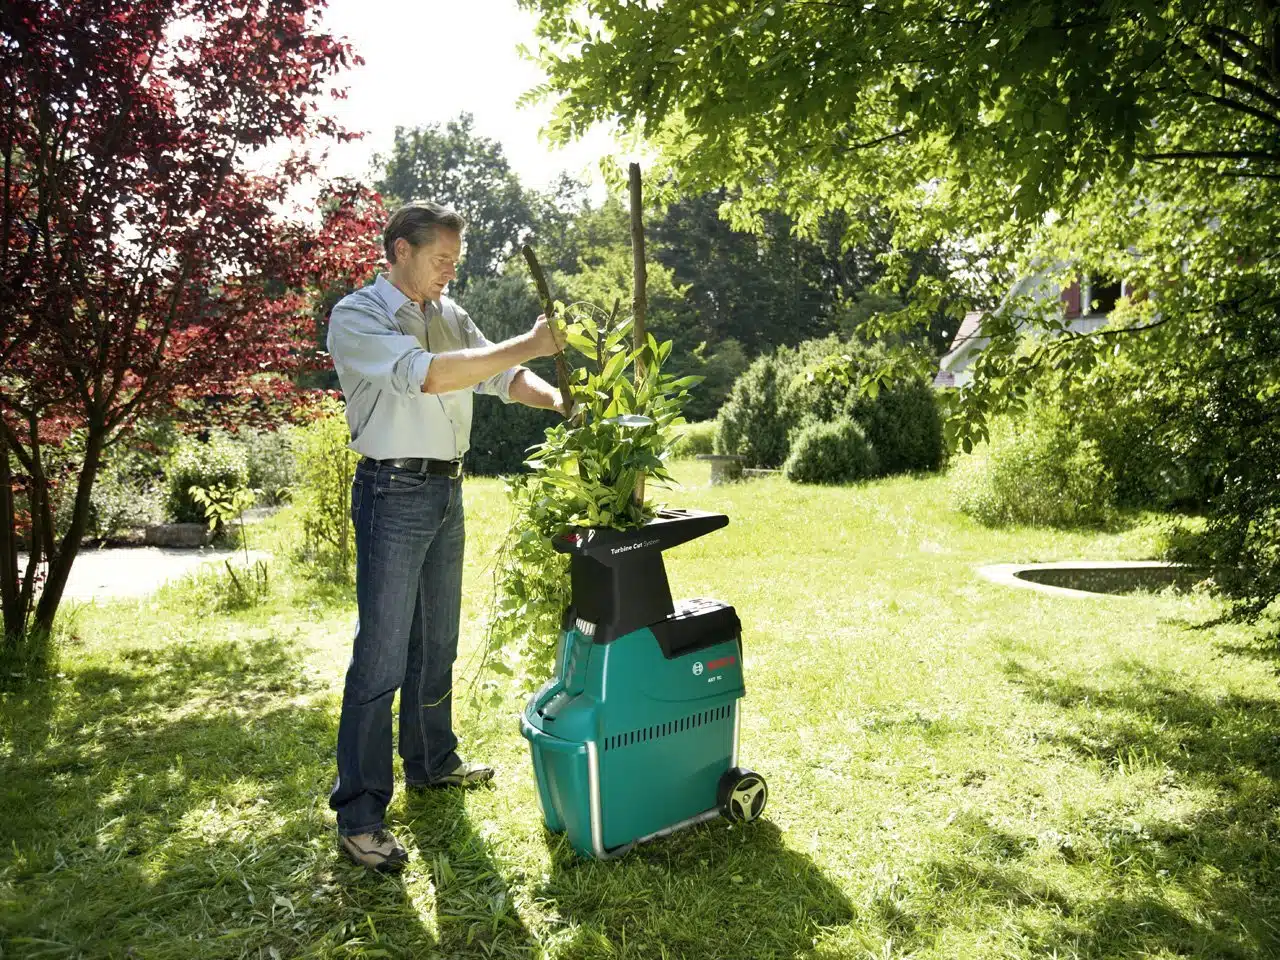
(1070,297)
(1103,294)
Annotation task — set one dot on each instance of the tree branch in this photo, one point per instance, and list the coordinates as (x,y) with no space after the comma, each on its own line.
(1118,332)
(1221,44)
(1213,155)
(1229,79)
(1230,104)
(894,135)
(14,443)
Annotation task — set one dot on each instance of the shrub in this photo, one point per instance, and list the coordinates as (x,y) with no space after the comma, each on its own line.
(220,461)
(753,422)
(826,398)
(834,451)
(120,504)
(1037,470)
(324,467)
(902,421)
(129,489)
(271,462)
(695,438)
(1240,539)
(904,426)
(501,435)
(776,396)
(1141,436)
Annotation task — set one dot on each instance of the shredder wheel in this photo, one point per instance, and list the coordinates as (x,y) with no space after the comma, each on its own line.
(742,795)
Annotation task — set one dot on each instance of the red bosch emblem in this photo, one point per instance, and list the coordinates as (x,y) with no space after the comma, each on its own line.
(721,663)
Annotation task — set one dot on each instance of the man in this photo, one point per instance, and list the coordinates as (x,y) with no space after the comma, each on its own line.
(408,359)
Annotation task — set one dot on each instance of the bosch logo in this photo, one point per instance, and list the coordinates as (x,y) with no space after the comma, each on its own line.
(698,668)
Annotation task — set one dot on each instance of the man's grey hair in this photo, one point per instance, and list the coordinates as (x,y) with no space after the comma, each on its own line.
(418,223)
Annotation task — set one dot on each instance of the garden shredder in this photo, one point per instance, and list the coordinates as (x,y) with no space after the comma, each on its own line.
(636,735)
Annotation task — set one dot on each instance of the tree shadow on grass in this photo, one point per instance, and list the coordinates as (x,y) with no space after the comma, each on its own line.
(711,891)
(173,805)
(1205,884)
(475,912)
(1262,645)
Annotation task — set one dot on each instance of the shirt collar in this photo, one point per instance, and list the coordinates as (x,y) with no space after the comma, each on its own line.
(393,297)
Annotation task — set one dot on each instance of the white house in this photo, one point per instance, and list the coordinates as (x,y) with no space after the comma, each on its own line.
(1085,306)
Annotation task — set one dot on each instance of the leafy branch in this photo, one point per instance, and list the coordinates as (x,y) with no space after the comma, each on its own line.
(585,473)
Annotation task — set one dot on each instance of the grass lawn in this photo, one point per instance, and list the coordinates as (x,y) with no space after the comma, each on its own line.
(957,769)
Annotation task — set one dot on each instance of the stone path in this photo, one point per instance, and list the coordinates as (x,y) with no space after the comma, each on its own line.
(137,571)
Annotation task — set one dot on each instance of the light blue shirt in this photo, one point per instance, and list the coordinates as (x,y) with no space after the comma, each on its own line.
(382,344)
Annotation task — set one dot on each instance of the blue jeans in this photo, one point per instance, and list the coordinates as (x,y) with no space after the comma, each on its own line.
(409,544)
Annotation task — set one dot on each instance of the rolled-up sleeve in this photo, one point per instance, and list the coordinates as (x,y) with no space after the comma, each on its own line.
(362,342)
(499,385)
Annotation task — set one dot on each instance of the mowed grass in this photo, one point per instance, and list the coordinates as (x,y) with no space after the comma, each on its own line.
(957,768)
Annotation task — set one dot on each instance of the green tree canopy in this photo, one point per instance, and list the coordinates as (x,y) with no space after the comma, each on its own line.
(452,164)
(1045,138)
(776,287)
(997,110)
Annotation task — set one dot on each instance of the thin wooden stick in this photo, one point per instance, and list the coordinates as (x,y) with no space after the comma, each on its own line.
(549,308)
(639,300)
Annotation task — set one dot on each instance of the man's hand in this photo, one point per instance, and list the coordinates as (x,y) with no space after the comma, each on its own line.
(548,336)
(565,405)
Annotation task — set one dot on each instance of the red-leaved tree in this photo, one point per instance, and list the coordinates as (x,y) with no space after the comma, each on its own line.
(141,262)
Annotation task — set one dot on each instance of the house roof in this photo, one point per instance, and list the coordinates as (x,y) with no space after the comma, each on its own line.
(969,328)
(965,341)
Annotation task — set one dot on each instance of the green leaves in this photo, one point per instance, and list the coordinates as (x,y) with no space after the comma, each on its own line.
(585,474)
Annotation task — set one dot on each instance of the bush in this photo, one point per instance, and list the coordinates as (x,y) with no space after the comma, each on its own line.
(120,504)
(902,422)
(501,435)
(695,438)
(196,464)
(1240,539)
(324,468)
(775,397)
(753,422)
(271,462)
(904,426)
(833,451)
(1039,471)
(129,489)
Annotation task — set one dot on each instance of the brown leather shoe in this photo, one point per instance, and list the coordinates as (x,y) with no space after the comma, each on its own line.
(379,851)
(465,774)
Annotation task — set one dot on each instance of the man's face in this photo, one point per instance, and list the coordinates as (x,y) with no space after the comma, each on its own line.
(429,268)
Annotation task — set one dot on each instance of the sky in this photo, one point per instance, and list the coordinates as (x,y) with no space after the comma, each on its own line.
(426,61)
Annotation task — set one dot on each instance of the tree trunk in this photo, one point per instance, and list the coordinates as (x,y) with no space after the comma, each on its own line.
(639,299)
(15,614)
(60,563)
(35,551)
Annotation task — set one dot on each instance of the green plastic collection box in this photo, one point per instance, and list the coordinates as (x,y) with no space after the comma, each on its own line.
(637,733)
